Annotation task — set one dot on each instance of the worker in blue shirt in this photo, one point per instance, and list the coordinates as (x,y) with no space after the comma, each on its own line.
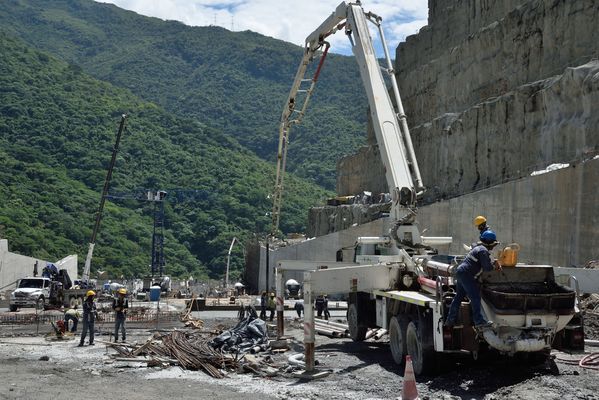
(89,317)
(120,305)
(477,260)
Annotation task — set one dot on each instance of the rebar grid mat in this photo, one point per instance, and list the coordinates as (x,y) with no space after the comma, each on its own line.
(46,318)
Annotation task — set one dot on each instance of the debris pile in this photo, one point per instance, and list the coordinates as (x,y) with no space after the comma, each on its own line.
(590,309)
(214,352)
(249,335)
(190,350)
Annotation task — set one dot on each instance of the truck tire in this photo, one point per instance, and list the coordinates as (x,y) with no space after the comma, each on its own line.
(12,308)
(357,331)
(422,353)
(397,339)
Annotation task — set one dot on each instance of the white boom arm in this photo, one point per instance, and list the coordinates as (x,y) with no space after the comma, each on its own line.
(394,142)
(391,128)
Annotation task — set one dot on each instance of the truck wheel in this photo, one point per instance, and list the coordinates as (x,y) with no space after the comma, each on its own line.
(397,339)
(12,308)
(40,304)
(357,331)
(422,354)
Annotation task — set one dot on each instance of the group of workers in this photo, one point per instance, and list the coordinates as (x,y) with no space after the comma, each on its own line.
(267,302)
(120,305)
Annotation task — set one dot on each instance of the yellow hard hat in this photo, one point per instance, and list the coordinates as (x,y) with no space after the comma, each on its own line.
(90,293)
(479,220)
(122,291)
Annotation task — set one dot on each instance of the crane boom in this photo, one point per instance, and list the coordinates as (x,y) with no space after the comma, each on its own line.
(92,242)
(390,126)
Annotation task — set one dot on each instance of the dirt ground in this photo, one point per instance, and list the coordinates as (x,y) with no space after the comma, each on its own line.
(358,371)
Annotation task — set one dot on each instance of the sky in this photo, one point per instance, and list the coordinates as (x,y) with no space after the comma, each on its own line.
(291,21)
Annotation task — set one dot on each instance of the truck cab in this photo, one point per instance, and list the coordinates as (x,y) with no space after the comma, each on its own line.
(31,292)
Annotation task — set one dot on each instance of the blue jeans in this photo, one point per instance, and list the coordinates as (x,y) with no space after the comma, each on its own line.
(75,320)
(119,322)
(466,285)
(88,324)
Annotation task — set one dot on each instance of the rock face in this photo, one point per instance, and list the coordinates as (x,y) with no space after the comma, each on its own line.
(475,49)
(493,90)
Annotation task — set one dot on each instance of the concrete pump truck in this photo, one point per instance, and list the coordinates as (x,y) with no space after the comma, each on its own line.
(398,284)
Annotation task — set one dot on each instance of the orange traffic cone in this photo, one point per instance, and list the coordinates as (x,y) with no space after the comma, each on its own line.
(409,391)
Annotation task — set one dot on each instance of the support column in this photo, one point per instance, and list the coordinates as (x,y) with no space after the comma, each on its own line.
(280,302)
(309,336)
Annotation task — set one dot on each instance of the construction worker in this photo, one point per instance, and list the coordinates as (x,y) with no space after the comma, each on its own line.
(120,305)
(272,305)
(72,314)
(299,308)
(89,317)
(263,302)
(325,310)
(319,304)
(477,260)
(481,224)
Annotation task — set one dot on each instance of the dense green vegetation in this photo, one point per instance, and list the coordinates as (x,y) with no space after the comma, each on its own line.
(233,81)
(57,129)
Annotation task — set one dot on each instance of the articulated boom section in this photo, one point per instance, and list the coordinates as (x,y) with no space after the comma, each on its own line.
(391,128)
(394,142)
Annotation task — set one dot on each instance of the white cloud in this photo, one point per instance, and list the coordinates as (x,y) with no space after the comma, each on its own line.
(289,21)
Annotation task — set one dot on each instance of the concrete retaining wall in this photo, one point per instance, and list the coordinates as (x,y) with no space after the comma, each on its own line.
(15,266)
(554,216)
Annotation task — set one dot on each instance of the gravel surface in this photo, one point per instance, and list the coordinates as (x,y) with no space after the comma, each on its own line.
(358,371)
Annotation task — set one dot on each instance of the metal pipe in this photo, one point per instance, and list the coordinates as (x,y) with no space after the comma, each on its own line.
(401,113)
(325,331)
(309,336)
(331,323)
(437,265)
(370,333)
(374,240)
(280,302)
(297,359)
(429,283)
(380,333)
(436,240)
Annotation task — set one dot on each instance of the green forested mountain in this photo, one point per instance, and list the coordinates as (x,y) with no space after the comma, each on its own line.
(57,129)
(233,81)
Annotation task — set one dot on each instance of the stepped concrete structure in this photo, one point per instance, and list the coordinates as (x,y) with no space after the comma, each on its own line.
(496,92)
(15,266)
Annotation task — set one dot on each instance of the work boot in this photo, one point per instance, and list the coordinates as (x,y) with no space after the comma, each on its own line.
(92,344)
(449,324)
(484,325)
(80,344)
